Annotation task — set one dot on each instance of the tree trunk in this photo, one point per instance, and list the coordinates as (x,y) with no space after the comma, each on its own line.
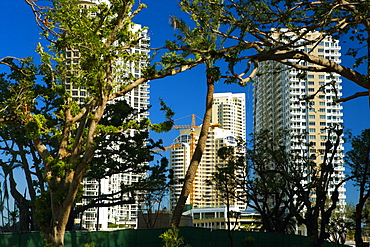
(56,237)
(23,206)
(358,221)
(228,218)
(312,229)
(197,156)
(361,201)
(61,209)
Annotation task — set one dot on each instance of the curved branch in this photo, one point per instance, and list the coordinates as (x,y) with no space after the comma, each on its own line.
(324,65)
(354,96)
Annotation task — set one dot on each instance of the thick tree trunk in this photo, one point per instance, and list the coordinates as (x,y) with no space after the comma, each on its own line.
(197,156)
(56,237)
(358,221)
(61,209)
(313,234)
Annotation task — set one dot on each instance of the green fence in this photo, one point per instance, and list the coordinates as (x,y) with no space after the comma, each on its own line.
(195,237)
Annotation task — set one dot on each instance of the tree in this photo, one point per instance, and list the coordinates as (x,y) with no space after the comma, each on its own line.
(224,181)
(358,159)
(62,132)
(286,187)
(277,30)
(18,151)
(127,152)
(199,43)
(263,180)
(342,224)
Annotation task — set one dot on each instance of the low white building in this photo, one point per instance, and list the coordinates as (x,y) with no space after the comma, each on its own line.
(216,218)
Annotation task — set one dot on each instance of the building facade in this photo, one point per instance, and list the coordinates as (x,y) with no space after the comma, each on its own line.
(203,194)
(285,99)
(229,111)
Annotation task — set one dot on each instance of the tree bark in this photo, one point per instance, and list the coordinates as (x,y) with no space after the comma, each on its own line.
(358,221)
(197,156)
(361,201)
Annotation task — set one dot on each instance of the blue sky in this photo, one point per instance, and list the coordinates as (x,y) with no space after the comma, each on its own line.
(184,93)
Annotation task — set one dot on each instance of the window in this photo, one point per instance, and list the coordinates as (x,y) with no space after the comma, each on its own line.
(310,76)
(311,83)
(311,123)
(322,110)
(321,77)
(311,116)
(322,123)
(311,137)
(322,116)
(311,130)
(322,103)
(311,90)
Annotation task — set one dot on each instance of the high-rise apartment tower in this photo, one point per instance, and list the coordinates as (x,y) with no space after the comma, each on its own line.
(228,123)
(229,110)
(280,105)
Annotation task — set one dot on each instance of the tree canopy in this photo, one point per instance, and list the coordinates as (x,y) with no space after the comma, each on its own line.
(279,30)
(62,135)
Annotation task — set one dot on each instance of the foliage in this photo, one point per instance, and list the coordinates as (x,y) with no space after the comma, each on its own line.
(358,157)
(171,238)
(358,160)
(248,241)
(91,244)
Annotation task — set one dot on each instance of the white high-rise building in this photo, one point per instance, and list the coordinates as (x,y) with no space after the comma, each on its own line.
(138,98)
(228,124)
(229,110)
(280,105)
